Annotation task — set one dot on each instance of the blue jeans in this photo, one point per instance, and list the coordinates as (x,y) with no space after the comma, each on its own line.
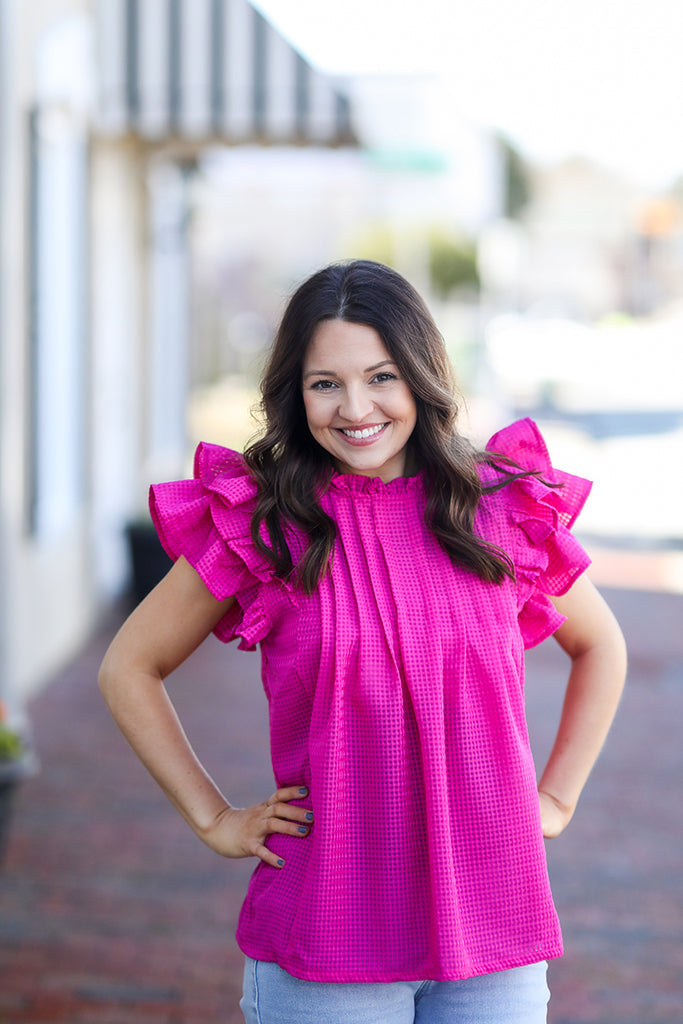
(517,996)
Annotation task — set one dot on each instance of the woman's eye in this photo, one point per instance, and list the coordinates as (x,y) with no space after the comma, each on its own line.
(381,378)
(323,385)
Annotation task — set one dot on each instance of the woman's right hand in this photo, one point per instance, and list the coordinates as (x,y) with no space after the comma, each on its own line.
(242,831)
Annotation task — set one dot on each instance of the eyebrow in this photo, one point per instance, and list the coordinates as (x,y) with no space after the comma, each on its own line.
(331,373)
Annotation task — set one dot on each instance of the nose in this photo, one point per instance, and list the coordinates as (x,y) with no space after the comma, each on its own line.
(355,404)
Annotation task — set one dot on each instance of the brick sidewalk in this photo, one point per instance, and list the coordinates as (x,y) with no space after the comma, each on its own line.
(113,913)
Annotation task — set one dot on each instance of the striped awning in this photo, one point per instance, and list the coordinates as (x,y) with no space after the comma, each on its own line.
(210,70)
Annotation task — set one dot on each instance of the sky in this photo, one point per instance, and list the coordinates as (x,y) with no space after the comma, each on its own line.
(599,78)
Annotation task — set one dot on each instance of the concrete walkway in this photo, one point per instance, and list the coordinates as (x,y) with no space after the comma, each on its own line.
(113,913)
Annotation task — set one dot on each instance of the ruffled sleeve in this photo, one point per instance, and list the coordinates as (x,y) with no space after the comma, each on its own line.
(208,521)
(547,558)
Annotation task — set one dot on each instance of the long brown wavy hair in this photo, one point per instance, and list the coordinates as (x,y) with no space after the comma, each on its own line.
(292,469)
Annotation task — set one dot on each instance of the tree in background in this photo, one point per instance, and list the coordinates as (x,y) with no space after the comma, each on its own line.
(452,264)
(517,185)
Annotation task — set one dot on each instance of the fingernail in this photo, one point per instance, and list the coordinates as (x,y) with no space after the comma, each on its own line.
(280,863)
(303,790)
(302,828)
(309,816)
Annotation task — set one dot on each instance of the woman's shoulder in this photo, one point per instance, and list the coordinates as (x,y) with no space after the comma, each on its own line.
(530,516)
(522,444)
(208,520)
(225,473)
(517,470)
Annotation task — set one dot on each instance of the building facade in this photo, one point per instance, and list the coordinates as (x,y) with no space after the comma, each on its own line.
(104,109)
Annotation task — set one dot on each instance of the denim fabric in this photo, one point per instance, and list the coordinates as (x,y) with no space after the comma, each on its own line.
(517,996)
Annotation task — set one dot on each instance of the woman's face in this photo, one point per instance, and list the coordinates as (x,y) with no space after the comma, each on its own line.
(357,406)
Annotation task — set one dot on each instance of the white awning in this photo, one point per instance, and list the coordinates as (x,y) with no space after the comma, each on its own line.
(213,70)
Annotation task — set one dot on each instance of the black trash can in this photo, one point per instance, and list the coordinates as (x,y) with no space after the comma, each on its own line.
(149,561)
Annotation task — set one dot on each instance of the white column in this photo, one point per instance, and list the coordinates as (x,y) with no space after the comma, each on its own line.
(118,356)
(169,317)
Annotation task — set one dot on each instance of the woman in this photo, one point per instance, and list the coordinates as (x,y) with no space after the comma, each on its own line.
(392,577)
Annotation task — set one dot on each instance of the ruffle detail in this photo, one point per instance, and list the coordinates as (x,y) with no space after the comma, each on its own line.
(208,521)
(547,558)
(356,483)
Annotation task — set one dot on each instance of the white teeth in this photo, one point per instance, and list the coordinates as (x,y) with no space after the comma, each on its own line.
(367,432)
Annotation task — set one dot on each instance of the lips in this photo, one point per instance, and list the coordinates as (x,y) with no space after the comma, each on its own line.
(364,431)
(362,435)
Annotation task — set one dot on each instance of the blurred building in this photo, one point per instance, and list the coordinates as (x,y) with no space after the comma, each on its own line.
(415,193)
(586,243)
(105,108)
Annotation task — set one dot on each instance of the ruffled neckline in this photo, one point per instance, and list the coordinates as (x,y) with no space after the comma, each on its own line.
(356,483)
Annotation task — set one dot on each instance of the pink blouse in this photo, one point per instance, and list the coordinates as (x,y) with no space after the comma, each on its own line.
(396,694)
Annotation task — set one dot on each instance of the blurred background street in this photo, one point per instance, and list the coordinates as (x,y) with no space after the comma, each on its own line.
(169,170)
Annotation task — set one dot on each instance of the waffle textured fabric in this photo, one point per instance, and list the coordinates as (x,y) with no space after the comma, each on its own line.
(396,695)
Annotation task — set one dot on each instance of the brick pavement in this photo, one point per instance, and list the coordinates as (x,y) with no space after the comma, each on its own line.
(113,913)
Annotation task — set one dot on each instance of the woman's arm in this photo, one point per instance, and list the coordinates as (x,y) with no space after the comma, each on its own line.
(160,634)
(593,640)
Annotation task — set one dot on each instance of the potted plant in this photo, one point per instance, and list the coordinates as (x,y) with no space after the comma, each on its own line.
(17,762)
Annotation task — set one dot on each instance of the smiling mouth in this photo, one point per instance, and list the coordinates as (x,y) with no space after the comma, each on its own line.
(364,433)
